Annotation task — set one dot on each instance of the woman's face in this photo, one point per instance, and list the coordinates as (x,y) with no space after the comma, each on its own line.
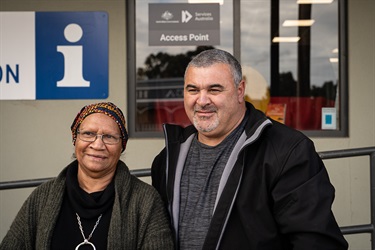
(98,159)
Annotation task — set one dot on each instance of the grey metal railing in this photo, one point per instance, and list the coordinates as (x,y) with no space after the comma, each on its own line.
(345,153)
(36,182)
(335,154)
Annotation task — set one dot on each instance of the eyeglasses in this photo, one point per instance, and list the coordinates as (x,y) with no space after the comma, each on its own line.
(88,136)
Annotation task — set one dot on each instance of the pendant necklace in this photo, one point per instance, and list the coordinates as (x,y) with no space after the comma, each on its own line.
(86,241)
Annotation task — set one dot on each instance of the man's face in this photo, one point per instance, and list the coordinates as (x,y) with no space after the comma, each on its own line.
(212,102)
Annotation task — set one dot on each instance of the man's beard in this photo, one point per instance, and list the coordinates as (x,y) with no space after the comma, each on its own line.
(198,120)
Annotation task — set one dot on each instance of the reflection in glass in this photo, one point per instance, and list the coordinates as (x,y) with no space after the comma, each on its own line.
(291,46)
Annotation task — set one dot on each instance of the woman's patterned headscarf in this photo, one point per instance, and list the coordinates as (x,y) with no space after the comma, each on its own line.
(106,108)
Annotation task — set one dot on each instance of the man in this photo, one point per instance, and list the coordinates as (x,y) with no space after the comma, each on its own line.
(236,179)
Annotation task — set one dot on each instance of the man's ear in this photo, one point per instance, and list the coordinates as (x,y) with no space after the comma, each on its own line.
(241,91)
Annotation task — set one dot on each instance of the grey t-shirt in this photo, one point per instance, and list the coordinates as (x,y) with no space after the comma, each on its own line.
(199,184)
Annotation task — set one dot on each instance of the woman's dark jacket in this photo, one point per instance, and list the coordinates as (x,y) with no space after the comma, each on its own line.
(138,220)
(274,194)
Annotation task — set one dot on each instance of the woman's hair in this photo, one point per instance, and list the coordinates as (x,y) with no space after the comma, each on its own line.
(106,108)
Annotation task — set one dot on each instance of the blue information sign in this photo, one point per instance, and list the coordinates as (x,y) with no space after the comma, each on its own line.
(70,57)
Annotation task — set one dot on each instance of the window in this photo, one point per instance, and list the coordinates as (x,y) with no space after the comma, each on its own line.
(292,53)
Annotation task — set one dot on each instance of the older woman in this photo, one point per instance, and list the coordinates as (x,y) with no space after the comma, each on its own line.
(94,203)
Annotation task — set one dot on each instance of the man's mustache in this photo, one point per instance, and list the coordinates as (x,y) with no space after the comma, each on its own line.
(205,109)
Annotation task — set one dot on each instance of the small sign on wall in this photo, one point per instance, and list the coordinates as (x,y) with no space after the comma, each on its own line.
(329,118)
(53,55)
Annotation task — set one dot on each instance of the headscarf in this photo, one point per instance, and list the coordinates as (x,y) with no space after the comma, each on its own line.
(106,108)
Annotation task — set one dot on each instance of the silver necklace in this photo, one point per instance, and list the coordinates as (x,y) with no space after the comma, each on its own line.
(86,241)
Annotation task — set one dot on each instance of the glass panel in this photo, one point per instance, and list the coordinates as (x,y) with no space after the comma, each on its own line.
(294,81)
(299,82)
(160,69)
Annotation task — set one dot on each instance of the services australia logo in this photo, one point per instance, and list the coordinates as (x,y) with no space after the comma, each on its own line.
(186,16)
(178,14)
(167,17)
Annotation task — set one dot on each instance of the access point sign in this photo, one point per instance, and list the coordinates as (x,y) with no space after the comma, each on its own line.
(179,24)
